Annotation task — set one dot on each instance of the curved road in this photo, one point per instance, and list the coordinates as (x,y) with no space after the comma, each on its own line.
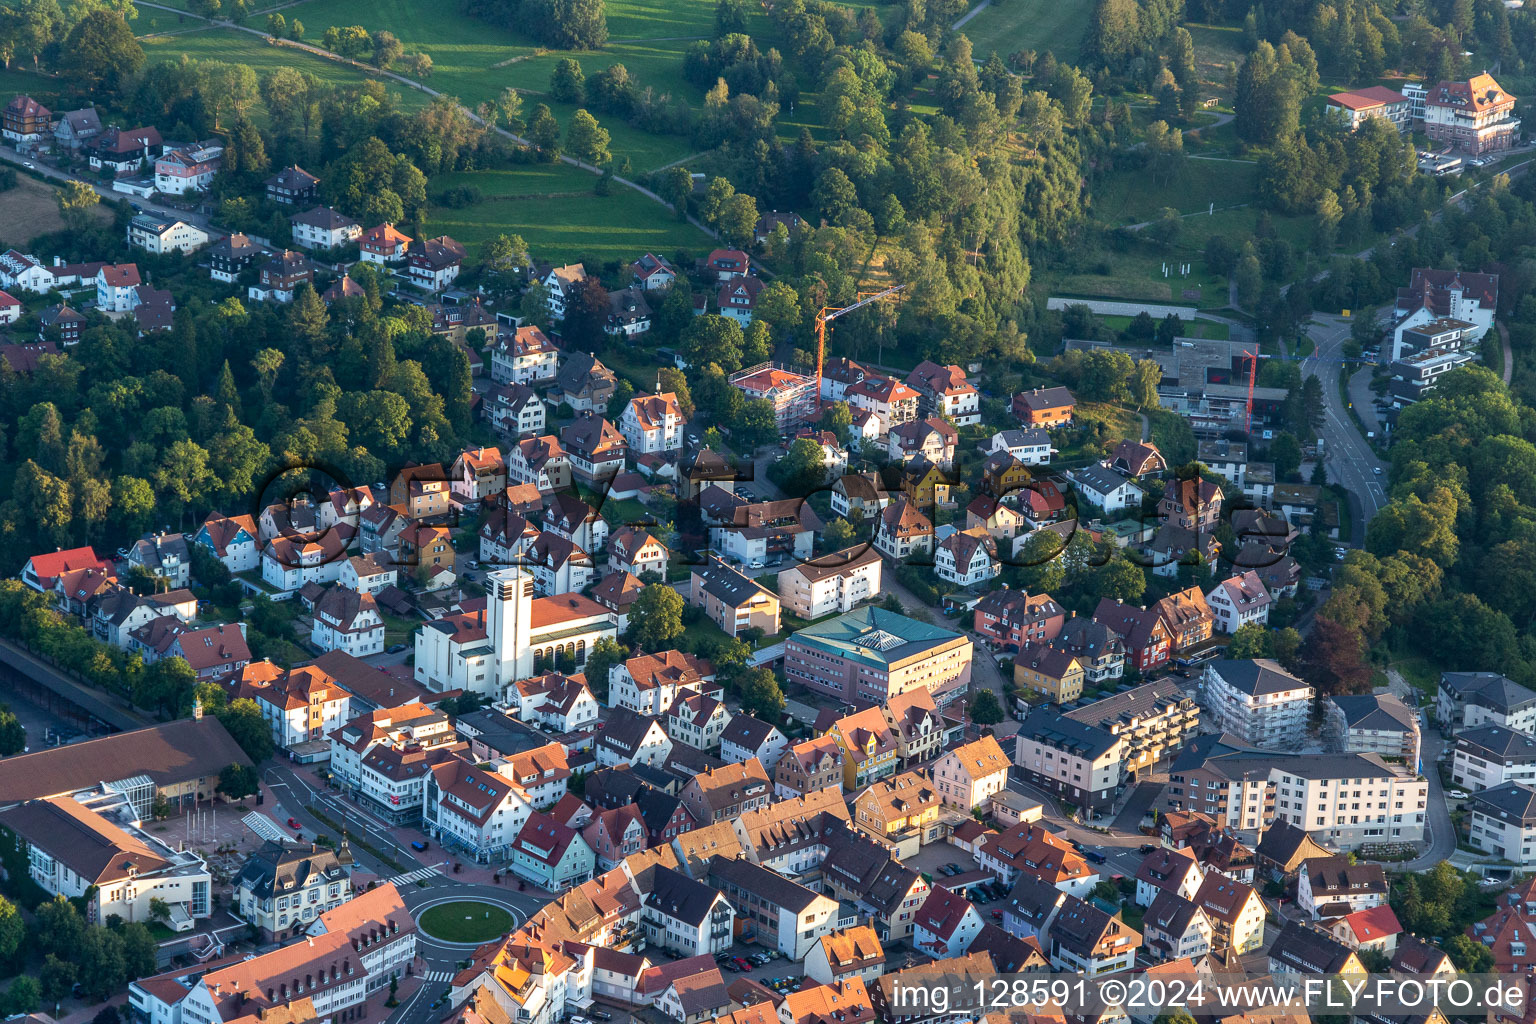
(1350,461)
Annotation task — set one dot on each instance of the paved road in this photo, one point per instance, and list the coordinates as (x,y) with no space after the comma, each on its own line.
(105,191)
(1350,461)
(1442,833)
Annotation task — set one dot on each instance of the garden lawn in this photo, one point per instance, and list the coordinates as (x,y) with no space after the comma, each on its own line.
(1132,197)
(466,921)
(1038,25)
(619,226)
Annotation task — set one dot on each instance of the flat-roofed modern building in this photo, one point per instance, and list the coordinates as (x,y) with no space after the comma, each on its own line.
(870,655)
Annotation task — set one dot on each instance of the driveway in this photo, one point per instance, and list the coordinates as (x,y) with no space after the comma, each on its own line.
(1349,460)
(1442,833)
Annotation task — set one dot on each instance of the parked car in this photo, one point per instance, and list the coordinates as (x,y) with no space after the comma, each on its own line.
(742,962)
(600,1015)
(1456,794)
(580,1020)
(420,844)
(1095,856)
(1146,847)
(293,823)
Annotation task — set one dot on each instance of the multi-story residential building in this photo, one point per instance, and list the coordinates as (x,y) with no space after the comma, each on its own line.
(189,169)
(1504,822)
(902,811)
(858,869)
(229,256)
(1332,887)
(833,582)
(596,450)
(282,889)
(1256,701)
(841,954)
(345,620)
(1475,116)
(551,854)
(890,401)
(1148,644)
(1175,928)
(527,357)
(1080,762)
(1013,618)
(945,392)
(648,683)
(727,792)
(281,276)
(685,916)
(89,847)
(1168,870)
(1106,488)
(633,739)
(540,461)
(1304,949)
(1434,296)
(1235,911)
(560,284)
(696,720)
(293,186)
(324,228)
(785,915)
(157,235)
(472,810)
(947,924)
(1468,699)
(930,437)
(790,391)
(1188,618)
(1044,407)
(1085,940)
(872,655)
(583,383)
(434,263)
(1031,446)
(634,550)
(26,121)
(515,409)
(302,706)
(1238,601)
(1490,755)
(966,558)
(1098,649)
(1372,724)
(746,737)
(734,602)
(1050,671)
(1154,719)
(653,423)
(615,833)
(1347,800)
(808,767)
(971,774)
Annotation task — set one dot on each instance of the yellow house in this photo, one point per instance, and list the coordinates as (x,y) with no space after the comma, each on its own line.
(903,811)
(926,483)
(870,747)
(1050,672)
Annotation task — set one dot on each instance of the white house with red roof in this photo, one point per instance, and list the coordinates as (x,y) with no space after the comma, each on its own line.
(737,298)
(380,931)
(189,169)
(726,264)
(479,811)
(25,272)
(117,287)
(946,392)
(891,401)
(653,273)
(1376,928)
(233,540)
(527,357)
(42,572)
(345,620)
(653,423)
(214,652)
(323,228)
(383,244)
(10,308)
(434,263)
(946,924)
(1238,601)
(288,563)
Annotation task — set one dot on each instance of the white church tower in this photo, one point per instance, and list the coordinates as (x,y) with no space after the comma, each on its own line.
(508,612)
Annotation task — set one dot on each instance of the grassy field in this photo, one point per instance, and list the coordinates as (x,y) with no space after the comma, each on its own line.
(1038,25)
(1192,329)
(228,44)
(560,217)
(473,60)
(1131,197)
(466,921)
(1216,46)
(30,209)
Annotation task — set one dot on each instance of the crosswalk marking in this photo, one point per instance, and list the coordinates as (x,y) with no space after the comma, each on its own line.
(438,975)
(418,875)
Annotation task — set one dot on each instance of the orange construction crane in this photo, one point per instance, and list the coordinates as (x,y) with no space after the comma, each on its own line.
(1253,372)
(829,313)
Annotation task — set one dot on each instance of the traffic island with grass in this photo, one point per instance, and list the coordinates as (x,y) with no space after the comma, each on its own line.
(465,921)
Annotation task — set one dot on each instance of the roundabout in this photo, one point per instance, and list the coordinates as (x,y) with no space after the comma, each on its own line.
(465,921)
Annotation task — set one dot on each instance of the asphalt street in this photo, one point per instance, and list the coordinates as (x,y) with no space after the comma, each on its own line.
(1349,459)
(105,191)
